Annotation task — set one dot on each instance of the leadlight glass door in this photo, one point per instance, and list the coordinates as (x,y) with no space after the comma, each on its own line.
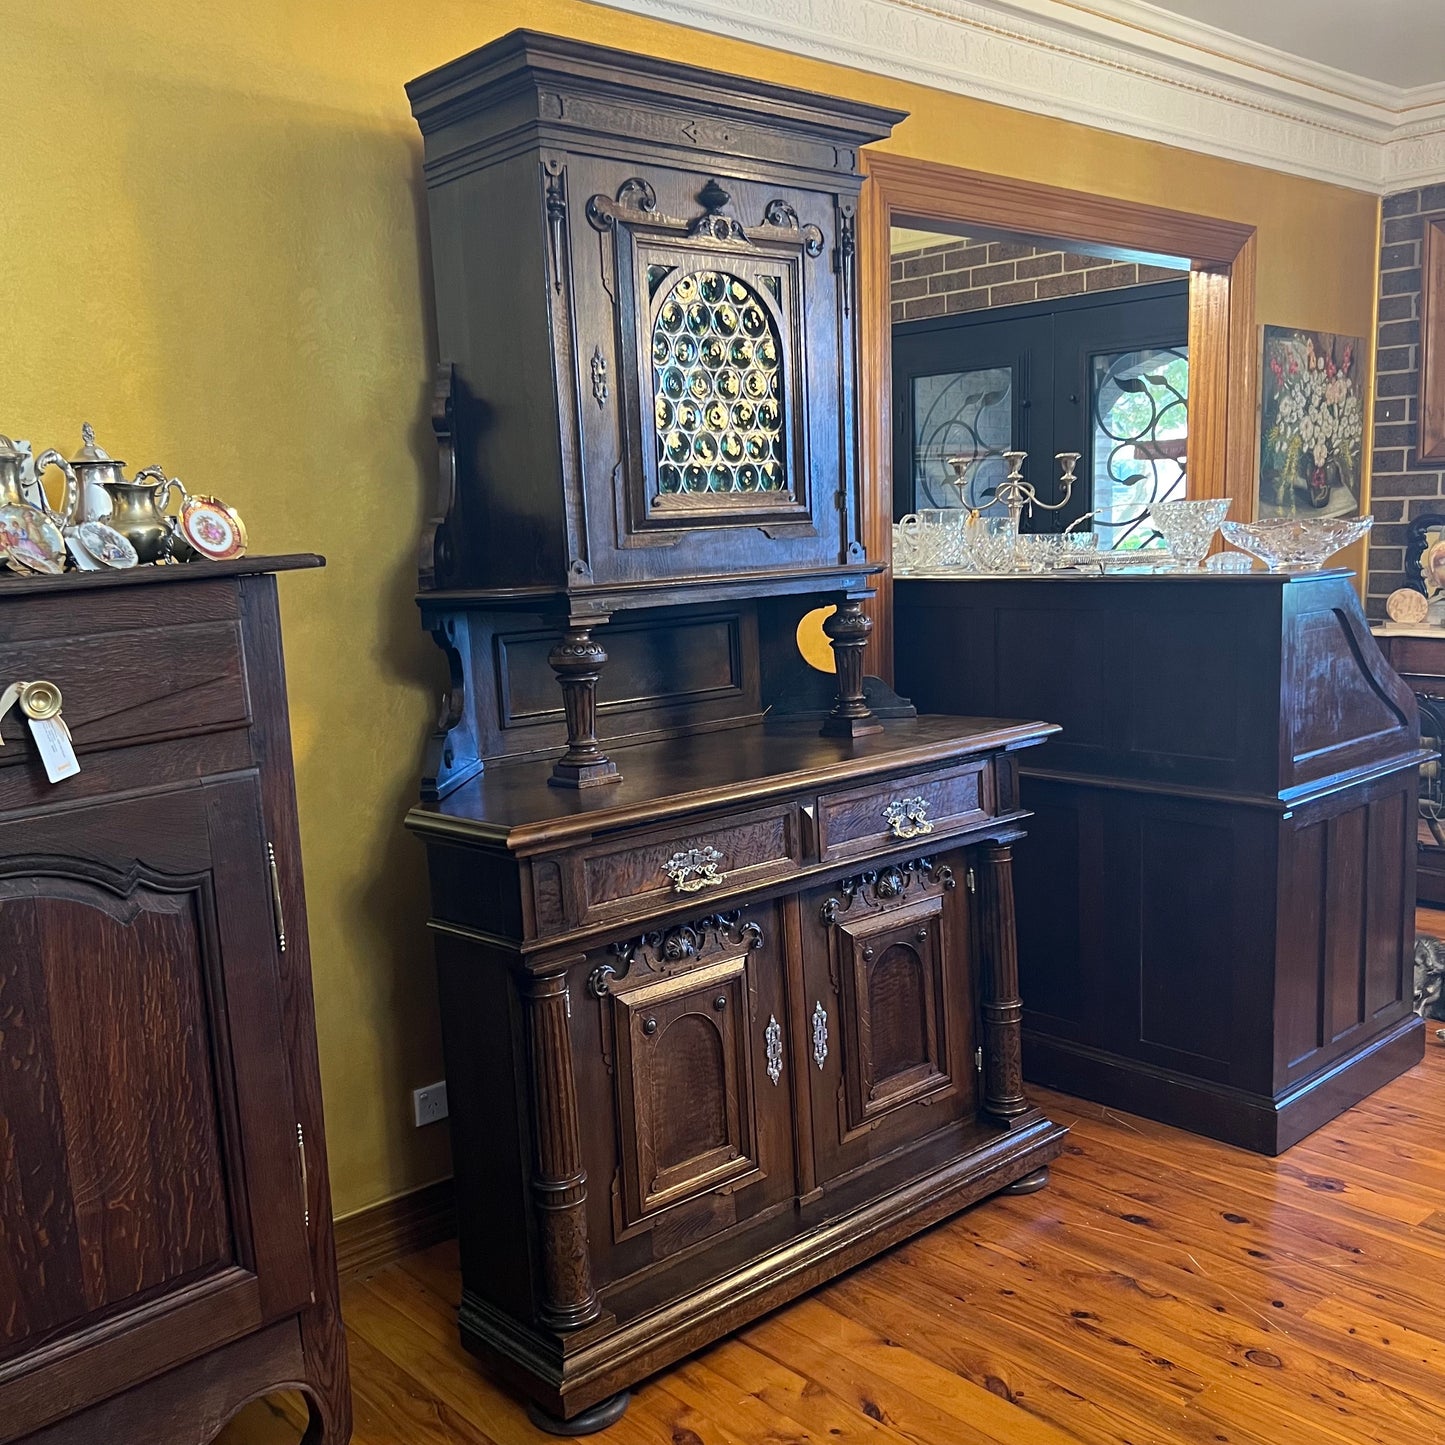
(965,395)
(1122,402)
(1105,376)
(1138,442)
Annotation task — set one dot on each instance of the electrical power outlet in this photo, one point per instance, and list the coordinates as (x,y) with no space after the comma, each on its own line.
(428,1105)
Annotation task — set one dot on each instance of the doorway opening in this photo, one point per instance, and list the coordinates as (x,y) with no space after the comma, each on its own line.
(1003,341)
(1221,342)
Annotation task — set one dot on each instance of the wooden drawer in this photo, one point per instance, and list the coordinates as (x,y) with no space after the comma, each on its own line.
(620,876)
(945,801)
(125,684)
(1418,657)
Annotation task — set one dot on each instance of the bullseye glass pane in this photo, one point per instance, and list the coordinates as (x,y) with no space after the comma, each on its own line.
(716,373)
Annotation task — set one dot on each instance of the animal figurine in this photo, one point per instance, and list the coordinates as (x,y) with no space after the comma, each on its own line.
(1430,978)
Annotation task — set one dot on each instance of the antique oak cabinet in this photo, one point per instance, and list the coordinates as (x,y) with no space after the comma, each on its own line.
(165,1220)
(1217,904)
(725,940)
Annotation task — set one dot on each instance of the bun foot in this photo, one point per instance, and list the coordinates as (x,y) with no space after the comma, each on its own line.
(599,1417)
(1029,1184)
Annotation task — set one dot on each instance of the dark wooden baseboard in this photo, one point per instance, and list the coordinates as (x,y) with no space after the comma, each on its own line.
(375,1237)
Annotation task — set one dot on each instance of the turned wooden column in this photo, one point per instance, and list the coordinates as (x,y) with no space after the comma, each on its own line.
(559,1182)
(847,631)
(1003,1074)
(578,660)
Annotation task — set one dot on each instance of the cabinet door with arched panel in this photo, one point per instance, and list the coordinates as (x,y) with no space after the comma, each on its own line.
(890,1008)
(697,1020)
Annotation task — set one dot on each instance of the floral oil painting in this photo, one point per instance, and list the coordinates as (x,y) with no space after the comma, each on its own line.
(1311,424)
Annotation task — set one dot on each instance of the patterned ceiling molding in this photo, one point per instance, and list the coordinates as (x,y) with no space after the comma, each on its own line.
(1137,70)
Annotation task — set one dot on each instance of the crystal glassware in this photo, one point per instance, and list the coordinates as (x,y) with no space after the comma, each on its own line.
(1296,544)
(1077,548)
(993,544)
(1189,527)
(1038,551)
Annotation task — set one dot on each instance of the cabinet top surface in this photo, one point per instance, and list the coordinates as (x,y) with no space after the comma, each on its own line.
(676,776)
(579,65)
(14,588)
(1133,578)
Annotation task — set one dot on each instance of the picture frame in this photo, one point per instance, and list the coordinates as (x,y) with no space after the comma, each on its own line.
(1311,423)
(1432,339)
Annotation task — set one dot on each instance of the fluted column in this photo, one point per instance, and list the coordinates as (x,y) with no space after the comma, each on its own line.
(1003,1095)
(559,1182)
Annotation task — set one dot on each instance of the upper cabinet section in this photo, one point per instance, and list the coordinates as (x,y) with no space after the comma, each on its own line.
(646,309)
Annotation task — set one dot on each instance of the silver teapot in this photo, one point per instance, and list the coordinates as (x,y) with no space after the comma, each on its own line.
(12,490)
(136,507)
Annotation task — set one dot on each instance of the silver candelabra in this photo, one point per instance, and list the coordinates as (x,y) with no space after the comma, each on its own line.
(1017,495)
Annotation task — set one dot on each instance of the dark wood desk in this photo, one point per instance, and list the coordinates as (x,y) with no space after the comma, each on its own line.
(1216,906)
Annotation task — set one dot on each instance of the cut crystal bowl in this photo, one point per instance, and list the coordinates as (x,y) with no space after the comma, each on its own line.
(1296,544)
(1189,527)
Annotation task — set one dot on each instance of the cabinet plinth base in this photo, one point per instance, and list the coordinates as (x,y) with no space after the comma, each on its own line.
(597,1417)
(850,727)
(584,775)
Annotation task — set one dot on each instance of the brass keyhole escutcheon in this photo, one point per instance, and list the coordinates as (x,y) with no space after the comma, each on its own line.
(40,700)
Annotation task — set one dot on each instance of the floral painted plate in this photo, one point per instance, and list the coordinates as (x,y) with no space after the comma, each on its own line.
(30,541)
(106,545)
(213,528)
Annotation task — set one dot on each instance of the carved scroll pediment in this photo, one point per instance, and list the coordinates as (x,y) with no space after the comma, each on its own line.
(635,204)
(879,887)
(664,950)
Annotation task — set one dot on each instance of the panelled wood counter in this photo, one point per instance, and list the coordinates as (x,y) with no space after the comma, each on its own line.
(1216,905)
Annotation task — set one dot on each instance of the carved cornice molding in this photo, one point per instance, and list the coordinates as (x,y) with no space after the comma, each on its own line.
(1136,70)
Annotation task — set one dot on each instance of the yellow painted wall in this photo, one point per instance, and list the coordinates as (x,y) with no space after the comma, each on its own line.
(212,245)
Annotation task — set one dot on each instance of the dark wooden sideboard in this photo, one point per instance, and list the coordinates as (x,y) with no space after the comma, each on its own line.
(1216,905)
(165,1221)
(721,1031)
(1418,655)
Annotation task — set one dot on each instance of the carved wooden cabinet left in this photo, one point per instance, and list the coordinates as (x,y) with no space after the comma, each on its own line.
(165,1250)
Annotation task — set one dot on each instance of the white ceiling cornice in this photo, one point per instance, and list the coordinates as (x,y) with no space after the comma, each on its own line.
(1135,69)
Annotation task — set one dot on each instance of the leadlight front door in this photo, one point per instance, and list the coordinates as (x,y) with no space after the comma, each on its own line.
(1104,376)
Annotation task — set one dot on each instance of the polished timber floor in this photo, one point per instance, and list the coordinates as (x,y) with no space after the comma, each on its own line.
(1163,1288)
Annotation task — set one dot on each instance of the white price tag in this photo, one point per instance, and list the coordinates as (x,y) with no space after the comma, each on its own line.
(52,739)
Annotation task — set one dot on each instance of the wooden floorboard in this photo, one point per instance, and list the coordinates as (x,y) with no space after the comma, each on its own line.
(1164,1289)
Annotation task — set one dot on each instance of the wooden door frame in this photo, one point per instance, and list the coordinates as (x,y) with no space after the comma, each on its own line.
(1223,351)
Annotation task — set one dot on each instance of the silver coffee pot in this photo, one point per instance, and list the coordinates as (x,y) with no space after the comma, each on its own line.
(12,491)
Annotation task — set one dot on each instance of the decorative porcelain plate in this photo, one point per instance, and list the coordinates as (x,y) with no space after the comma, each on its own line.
(213,528)
(30,541)
(106,545)
(1406,605)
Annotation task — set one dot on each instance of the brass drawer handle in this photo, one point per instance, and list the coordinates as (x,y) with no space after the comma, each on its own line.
(907,817)
(695,869)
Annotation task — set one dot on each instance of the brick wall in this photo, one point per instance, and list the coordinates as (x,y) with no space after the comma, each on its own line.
(966,275)
(1400,488)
